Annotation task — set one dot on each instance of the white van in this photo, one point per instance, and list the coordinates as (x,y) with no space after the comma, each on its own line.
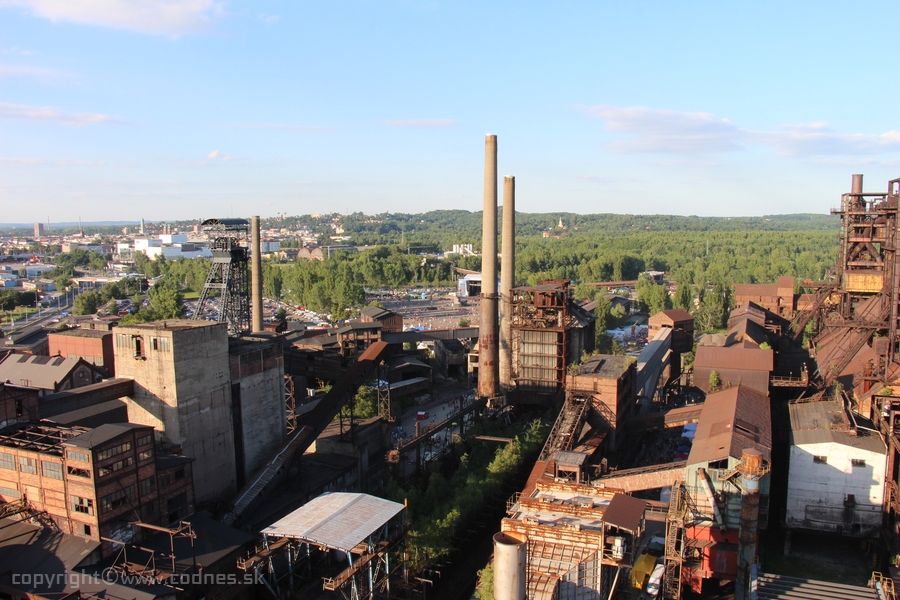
(655,581)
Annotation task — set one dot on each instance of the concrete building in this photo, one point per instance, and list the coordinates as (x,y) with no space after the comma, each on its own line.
(450,356)
(836,477)
(93,345)
(93,482)
(222,402)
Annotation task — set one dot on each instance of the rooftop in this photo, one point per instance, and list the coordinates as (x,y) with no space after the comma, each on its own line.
(43,372)
(104,433)
(336,520)
(826,422)
(605,366)
(173,325)
(730,422)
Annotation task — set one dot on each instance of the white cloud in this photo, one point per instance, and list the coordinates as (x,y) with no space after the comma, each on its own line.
(40,73)
(422,123)
(49,113)
(279,126)
(11,160)
(213,155)
(668,131)
(672,132)
(819,139)
(166,17)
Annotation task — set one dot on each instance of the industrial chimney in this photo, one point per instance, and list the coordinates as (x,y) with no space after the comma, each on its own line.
(256,276)
(487,329)
(507,279)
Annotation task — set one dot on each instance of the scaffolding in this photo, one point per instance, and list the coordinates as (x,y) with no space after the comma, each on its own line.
(229,275)
(539,321)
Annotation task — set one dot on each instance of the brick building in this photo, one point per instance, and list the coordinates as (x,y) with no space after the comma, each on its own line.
(93,345)
(94,482)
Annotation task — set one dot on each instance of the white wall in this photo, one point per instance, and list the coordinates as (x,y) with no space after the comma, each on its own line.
(817,491)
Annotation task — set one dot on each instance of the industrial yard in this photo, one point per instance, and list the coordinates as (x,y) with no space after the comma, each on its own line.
(445,433)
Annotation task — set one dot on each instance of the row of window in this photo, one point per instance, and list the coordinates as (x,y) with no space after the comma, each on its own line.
(854,462)
(117,499)
(49,469)
(109,452)
(136,343)
(116,466)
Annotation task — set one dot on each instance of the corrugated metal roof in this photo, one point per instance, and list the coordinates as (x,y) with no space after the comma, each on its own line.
(731,421)
(337,520)
(736,357)
(825,422)
(570,459)
(625,512)
(781,587)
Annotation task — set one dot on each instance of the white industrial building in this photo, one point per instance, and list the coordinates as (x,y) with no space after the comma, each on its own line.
(171,246)
(836,477)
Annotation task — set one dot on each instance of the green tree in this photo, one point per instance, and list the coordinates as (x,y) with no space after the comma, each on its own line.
(87,303)
(714,381)
(484,589)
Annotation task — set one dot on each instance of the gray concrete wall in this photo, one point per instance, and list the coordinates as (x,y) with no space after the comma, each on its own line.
(263,417)
(203,386)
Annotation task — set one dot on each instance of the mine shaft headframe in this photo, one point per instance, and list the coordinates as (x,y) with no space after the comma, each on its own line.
(229,274)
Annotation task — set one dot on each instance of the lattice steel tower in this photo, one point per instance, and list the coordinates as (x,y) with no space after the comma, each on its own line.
(229,274)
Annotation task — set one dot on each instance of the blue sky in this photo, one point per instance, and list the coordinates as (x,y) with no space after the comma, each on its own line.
(181,109)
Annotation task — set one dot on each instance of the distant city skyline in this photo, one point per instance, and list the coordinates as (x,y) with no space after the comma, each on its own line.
(188,109)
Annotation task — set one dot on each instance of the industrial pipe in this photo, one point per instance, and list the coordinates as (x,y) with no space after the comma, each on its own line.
(507,280)
(510,555)
(711,496)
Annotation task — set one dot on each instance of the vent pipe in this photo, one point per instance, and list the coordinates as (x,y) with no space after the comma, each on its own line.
(510,556)
(487,328)
(256,276)
(752,470)
(507,280)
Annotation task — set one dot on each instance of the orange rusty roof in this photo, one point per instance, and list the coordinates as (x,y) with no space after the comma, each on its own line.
(731,421)
(625,512)
(736,357)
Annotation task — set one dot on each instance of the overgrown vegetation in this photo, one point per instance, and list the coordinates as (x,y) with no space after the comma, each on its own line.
(448,503)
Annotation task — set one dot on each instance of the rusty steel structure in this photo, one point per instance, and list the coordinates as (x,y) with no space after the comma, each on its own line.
(864,297)
(229,275)
(539,321)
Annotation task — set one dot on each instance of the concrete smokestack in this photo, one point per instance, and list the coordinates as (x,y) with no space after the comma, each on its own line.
(507,279)
(256,309)
(487,329)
